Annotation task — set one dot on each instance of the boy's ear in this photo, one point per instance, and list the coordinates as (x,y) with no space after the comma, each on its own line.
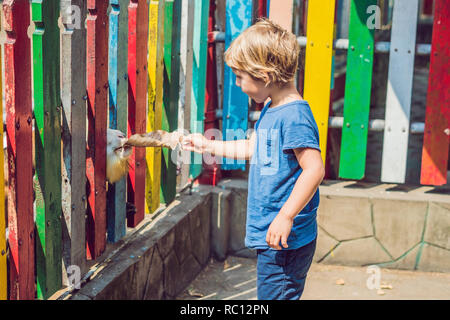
(266,79)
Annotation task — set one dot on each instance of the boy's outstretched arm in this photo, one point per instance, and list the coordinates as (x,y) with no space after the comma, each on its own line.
(304,189)
(237,149)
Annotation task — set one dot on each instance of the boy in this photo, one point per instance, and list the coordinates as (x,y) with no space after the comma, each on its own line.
(286,167)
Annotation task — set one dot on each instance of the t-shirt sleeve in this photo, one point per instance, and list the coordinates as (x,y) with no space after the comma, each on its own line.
(300,135)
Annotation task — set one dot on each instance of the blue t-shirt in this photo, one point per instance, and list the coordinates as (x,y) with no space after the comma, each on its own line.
(274,170)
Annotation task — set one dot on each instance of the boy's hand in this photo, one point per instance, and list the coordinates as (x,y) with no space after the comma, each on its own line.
(195,142)
(279,230)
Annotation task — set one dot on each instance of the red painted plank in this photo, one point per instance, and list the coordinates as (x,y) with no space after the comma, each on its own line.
(97,89)
(19,135)
(427,8)
(261,9)
(437,119)
(137,98)
(301,71)
(211,171)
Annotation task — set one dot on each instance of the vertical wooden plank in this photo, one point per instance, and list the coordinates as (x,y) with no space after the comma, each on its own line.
(235,102)
(19,136)
(281,13)
(343,19)
(184,105)
(389,11)
(427,7)
(97,92)
(301,32)
(118,115)
(352,162)
(437,119)
(262,8)
(259,10)
(219,24)
(155,94)
(211,172)
(137,89)
(296,17)
(399,91)
(73,97)
(330,109)
(200,47)
(318,64)
(3,265)
(47,111)
(172,30)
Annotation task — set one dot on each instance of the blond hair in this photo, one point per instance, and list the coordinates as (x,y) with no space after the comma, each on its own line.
(266,51)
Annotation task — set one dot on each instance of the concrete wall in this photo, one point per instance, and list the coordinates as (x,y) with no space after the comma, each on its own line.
(365,224)
(359,224)
(165,255)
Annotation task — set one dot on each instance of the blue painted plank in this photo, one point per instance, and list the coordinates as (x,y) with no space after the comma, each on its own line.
(118,97)
(235,102)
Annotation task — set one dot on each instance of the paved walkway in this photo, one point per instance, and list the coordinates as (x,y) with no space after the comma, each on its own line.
(236,279)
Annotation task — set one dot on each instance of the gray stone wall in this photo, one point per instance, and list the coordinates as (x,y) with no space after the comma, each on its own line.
(366,224)
(392,229)
(162,259)
(359,225)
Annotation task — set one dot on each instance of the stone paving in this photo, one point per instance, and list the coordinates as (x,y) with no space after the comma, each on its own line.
(235,279)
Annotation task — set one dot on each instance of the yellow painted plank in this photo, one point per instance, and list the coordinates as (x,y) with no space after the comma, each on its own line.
(318,63)
(3,274)
(155,95)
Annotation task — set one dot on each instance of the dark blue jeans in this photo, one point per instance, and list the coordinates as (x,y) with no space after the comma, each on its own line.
(281,274)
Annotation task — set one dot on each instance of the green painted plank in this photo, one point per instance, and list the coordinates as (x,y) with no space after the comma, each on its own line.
(358,84)
(172,35)
(200,49)
(47,110)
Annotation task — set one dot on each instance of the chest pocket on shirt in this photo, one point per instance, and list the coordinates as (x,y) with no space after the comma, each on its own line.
(267,153)
(269,156)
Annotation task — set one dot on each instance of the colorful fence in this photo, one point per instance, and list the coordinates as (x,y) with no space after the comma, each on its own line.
(118,66)
(138,66)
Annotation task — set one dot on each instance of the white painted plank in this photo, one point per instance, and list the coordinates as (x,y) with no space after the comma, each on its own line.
(184,105)
(399,91)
